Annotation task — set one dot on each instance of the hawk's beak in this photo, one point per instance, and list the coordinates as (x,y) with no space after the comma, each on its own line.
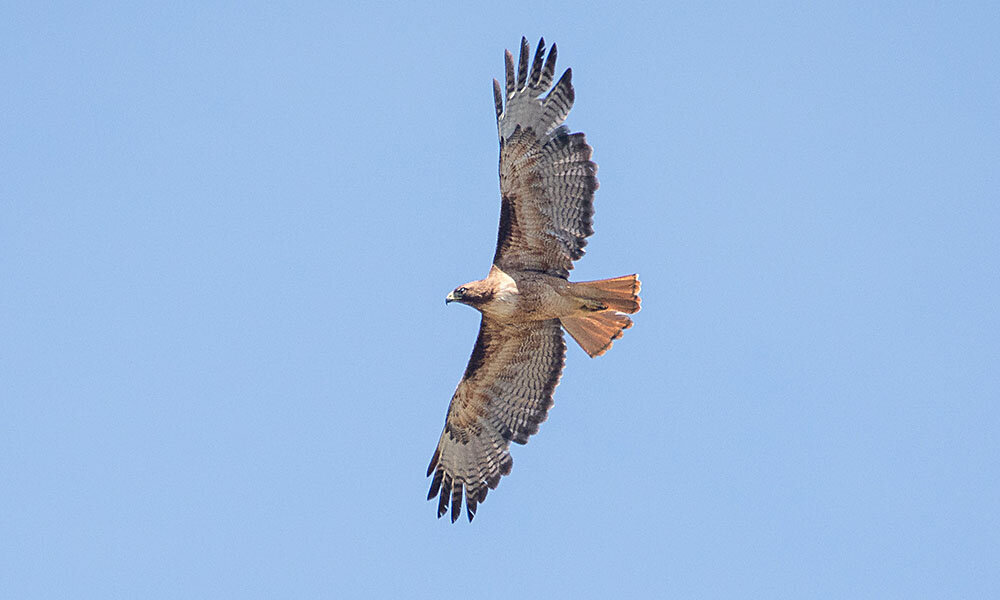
(451,297)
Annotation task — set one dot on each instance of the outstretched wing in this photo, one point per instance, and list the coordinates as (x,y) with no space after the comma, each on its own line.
(505,394)
(547,180)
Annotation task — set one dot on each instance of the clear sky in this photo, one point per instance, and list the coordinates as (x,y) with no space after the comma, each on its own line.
(227,231)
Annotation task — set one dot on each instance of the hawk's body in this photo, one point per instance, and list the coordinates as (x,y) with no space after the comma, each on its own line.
(547,184)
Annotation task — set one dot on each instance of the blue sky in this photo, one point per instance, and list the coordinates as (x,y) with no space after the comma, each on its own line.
(226,232)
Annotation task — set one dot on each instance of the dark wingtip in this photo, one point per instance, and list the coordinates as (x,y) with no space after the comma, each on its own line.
(445,496)
(508,64)
(456,502)
(570,91)
(497,98)
(434,461)
(564,86)
(435,485)
(536,65)
(522,63)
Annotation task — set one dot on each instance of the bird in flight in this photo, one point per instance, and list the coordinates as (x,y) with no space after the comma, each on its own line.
(547,184)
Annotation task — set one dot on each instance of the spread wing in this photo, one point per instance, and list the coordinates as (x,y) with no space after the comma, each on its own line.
(505,394)
(547,180)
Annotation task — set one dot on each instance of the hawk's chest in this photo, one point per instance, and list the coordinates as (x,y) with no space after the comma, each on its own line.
(526,300)
(505,305)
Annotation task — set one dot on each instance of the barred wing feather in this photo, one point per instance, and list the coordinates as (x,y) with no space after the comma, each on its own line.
(547,180)
(505,394)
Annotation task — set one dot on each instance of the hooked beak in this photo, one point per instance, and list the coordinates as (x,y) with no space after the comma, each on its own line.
(451,297)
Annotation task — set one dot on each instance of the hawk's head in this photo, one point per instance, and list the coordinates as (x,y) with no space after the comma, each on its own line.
(473,293)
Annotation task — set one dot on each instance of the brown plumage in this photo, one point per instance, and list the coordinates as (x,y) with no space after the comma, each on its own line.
(547,184)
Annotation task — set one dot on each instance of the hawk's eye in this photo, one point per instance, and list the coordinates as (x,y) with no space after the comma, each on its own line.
(461,290)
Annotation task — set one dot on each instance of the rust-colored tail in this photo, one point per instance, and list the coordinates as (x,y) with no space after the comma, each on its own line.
(598,325)
(617,293)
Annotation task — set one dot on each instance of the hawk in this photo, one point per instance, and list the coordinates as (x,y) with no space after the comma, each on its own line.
(547,184)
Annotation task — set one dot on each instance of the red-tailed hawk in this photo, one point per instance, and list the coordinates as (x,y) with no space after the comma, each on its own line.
(547,184)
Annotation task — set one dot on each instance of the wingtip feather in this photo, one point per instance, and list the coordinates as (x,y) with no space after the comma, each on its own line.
(456,502)
(497,98)
(508,60)
(536,65)
(434,461)
(522,64)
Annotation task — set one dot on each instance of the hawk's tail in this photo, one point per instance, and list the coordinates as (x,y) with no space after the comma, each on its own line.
(603,320)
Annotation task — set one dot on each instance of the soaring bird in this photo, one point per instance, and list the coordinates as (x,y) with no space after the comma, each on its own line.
(547,184)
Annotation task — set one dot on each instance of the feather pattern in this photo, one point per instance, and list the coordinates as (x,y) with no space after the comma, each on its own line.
(547,185)
(547,180)
(504,396)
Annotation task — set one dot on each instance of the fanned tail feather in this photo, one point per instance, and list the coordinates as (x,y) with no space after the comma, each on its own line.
(596,331)
(617,293)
